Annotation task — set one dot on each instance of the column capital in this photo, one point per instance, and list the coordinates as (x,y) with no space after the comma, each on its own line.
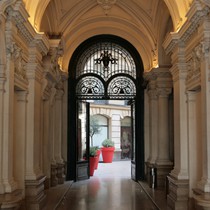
(191,95)
(153,94)
(22,96)
(164,92)
(59,94)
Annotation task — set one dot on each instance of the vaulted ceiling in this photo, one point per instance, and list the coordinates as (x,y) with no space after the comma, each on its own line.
(144,23)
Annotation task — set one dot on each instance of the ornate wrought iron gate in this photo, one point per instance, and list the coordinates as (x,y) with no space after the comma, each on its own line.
(106,67)
(105,71)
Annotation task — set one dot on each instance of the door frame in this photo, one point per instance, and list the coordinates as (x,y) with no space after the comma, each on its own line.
(72,100)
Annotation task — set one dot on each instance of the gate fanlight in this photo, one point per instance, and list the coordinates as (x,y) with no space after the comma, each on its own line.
(106,71)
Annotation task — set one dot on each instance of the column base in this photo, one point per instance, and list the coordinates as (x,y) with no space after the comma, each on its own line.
(10,186)
(60,173)
(35,195)
(11,201)
(178,194)
(54,179)
(202,199)
(2,191)
(162,173)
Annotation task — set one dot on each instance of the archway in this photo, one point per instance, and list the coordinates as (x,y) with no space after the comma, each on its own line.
(95,72)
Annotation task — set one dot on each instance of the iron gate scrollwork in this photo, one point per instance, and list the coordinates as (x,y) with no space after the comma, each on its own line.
(105,71)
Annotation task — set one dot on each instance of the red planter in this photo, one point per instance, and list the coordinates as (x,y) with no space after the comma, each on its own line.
(107,154)
(93,161)
(98,155)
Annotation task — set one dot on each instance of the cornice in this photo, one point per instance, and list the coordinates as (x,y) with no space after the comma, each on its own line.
(20,17)
(4,4)
(195,15)
(206,2)
(163,73)
(42,43)
(171,41)
(157,73)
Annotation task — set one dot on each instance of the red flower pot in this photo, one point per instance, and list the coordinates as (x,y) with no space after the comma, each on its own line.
(107,154)
(92,162)
(98,155)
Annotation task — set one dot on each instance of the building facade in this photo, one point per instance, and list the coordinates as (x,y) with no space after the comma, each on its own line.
(37,41)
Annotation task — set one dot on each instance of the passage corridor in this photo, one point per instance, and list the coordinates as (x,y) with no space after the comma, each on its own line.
(111,188)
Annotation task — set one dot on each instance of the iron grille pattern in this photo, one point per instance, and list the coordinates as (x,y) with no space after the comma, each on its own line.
(106,70)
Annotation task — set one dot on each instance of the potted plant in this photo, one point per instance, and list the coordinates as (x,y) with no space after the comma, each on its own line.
(107,150)
(92,159)
(98,152)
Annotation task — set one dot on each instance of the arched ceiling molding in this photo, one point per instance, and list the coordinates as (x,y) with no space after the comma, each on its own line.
(71,15)
(76,13)
(146,33)
(41,7)
(52,17)
(32,8)
(178,10)
(146,36)
(142,19)
(74,40)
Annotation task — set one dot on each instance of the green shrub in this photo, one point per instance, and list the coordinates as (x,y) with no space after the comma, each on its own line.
(107,143)
(93,151)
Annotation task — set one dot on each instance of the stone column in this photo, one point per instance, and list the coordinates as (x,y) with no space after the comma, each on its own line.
(163,162)
(178,179)
(46,138)
(163,157)
(146,126)
(54,179)
(202,53)
(2,90)
(153,120)
(7,155)
(192,139)
(34,177)
(204,184)
(65,123)
(20,138)
(58,136)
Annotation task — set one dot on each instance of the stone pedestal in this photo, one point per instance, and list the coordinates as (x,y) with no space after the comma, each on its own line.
(54,179)
(162,173)
(148,167)
(35,195)
(60,173)
(11,201)
(177,198)
(201,200)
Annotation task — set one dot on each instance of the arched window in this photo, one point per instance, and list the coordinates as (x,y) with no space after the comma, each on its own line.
(106,70)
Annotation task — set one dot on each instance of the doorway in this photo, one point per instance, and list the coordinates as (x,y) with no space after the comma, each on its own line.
(105,67)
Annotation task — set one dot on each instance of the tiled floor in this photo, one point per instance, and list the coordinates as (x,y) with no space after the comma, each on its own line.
(111,188)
